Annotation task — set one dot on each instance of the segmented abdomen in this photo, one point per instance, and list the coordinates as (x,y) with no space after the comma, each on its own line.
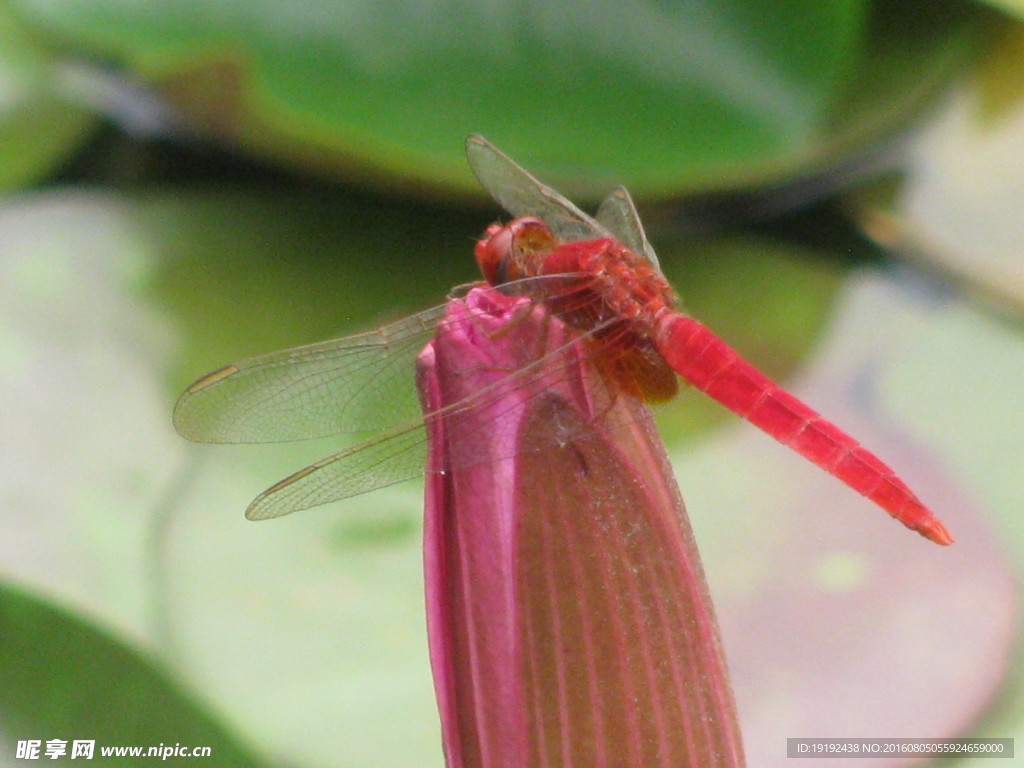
(712,366)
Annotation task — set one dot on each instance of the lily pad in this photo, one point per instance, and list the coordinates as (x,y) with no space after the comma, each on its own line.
(39,123)
(836,621)
(67,681)
(667,98)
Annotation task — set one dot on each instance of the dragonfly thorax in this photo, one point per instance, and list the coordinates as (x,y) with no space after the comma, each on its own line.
(618,282)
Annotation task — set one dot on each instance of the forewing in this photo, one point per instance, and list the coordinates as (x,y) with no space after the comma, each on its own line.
(618,214)
(361,382)
(519,193)
(398,453)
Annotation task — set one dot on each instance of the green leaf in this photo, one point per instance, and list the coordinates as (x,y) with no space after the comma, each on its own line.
(664,97)
(64,679)
(39,127)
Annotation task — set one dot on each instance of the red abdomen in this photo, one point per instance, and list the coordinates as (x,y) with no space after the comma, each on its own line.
(710,365)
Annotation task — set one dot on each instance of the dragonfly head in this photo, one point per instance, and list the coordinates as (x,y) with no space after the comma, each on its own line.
(515,250)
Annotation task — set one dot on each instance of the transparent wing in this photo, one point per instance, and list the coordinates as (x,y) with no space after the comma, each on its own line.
(361,382)
(618,214)
(380,461)
(398,454)
(522,194)
(519,193)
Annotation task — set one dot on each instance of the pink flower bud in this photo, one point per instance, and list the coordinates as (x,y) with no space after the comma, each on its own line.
(568,616)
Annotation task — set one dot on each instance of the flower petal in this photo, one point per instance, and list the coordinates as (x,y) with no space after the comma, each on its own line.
(568,616)
(620,647)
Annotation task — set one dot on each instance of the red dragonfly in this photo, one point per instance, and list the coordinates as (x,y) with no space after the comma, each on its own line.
(600,275)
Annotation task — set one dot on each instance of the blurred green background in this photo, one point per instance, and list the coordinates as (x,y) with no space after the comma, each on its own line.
(834,186)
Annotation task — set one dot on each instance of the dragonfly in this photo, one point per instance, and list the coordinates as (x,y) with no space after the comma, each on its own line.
(597,273)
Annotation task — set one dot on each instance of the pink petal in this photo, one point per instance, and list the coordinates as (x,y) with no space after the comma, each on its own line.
(568,616)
